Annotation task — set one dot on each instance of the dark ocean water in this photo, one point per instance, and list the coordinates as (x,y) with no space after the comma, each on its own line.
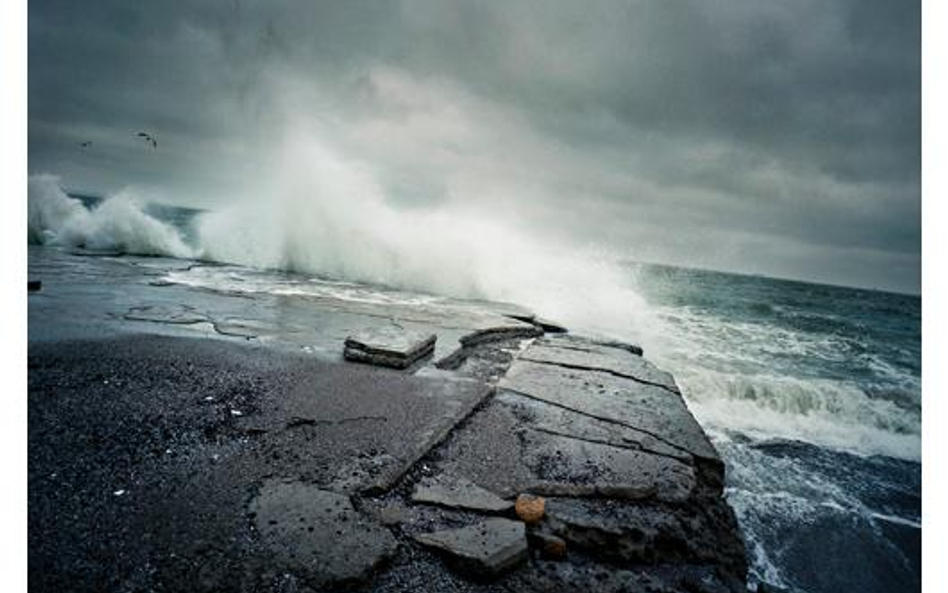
(812,394)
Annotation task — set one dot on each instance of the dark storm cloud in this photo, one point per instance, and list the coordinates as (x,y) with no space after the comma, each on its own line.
(775,137)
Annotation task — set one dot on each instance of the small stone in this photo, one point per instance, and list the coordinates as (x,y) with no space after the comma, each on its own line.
(551,547)
(483,549)
(530,508)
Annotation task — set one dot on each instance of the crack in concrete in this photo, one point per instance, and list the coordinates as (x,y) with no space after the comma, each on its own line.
(603,419)
(301,421)
(580,367)
(630,447)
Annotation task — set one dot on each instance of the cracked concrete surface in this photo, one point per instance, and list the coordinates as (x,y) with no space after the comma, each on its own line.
(259,460)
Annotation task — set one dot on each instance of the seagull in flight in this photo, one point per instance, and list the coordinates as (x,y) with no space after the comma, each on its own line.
(148,138)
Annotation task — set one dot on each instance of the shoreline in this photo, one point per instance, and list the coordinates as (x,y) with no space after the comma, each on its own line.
(161,459)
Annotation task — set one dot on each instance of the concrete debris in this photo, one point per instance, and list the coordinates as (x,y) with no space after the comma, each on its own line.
(487,548)
(453,491)
(318,533)
(390,347)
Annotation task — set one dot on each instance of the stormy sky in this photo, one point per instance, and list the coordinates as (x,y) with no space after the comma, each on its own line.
(780,138)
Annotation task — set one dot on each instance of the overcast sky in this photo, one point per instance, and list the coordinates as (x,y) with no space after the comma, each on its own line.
(778,137)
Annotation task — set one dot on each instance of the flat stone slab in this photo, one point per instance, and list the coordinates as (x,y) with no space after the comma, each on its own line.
(503,450)
(650,409)
(590,355)
(487,548)
(556,420)
(355,428)
(389,346)
(318,534)
(458,492)
(570,466)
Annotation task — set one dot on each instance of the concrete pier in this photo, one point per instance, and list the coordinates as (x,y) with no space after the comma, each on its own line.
(167,454)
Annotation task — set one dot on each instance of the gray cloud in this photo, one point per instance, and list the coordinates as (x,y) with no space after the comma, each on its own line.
(770,137)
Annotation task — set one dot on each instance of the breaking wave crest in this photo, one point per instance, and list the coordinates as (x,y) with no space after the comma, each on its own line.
(829,413)
(116,224)
(316,213)
(336,221)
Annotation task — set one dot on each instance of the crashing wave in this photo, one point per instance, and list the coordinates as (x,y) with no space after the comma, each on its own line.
(834,414)
(116,224)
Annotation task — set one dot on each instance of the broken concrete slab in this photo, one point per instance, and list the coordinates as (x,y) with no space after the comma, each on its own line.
(482,340)
(588,355)
(389,346)
(505,452)
(604,396)
(583,342)
(458,492)
(488,451)
(510,329)
(568,466)
(318,534)
(554,419)
(355,428)
(649,534)
(483,549)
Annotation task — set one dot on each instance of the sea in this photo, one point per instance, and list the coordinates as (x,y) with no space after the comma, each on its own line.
(811,393)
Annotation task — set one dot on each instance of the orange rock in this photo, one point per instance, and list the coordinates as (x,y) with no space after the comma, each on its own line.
(530,508)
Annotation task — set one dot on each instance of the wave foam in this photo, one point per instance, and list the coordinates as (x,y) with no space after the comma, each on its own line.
(323,215)
(116,224)
(828,413)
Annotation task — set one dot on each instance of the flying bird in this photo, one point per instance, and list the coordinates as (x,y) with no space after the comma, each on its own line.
(86,144)
(148,138)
